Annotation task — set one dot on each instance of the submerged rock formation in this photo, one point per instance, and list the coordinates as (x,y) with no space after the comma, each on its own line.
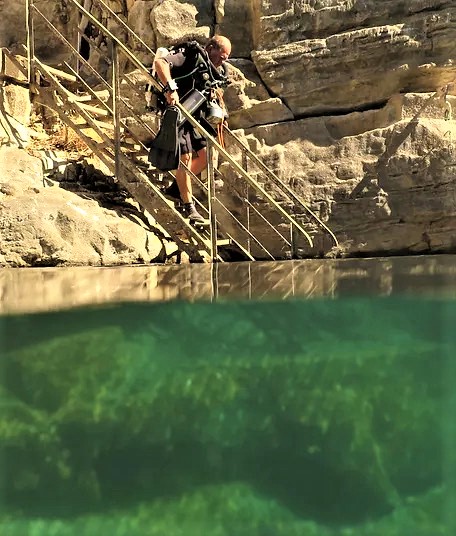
(302,418)
(349,102)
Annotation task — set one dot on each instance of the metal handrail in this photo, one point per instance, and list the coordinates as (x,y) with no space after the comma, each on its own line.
(120,47)
(108,158)
(286,189)
(279,182)
(125,26)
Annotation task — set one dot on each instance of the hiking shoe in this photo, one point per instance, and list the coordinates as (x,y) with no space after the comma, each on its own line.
(172,192)
(192,214)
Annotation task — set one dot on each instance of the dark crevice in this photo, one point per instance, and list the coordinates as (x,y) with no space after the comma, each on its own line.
(403,252)
(346,111)
(431,9)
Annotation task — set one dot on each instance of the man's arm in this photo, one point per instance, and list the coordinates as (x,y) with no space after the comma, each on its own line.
(163,70)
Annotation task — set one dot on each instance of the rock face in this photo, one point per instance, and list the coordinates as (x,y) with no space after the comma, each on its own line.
(389,189)
(363,67)
(285,21)
(48,226)
(59,13)
(343,100)
(169,17)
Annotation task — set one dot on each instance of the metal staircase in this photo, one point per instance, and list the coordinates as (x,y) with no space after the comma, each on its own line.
(98,108)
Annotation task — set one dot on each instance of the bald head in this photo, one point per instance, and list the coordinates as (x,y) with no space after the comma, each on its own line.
(218,49)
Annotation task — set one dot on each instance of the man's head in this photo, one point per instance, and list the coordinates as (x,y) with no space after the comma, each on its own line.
(218,49)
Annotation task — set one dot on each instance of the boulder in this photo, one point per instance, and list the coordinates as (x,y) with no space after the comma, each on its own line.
(48,226)
(173,21)
(247,99)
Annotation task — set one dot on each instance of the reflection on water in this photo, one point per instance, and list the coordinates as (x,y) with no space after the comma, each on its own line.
(268,416)
(56,288)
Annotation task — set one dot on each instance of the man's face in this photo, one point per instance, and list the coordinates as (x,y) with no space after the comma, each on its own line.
(218,55)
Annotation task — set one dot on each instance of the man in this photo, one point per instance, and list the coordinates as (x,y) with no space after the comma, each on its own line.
(182,65)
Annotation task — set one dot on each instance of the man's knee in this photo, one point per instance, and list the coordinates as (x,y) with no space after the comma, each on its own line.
(186,159)
(201,156)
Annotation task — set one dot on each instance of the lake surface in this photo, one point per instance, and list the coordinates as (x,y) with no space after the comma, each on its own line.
(290,398)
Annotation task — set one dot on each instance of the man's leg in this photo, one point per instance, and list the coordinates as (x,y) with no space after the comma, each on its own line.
(189,145)
(196,164)
(183,179)
(199,162)
(184,182)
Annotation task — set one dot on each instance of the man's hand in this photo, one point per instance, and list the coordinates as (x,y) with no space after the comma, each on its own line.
(172,97)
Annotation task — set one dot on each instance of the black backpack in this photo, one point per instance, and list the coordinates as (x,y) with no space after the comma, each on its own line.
(203,73)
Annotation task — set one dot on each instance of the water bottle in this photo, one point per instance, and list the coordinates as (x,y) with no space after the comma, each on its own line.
(191,103)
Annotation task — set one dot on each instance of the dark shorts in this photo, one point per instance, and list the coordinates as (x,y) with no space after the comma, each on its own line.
(190,141)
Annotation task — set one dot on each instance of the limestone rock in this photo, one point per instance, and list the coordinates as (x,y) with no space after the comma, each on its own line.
(280,22)
(234,19)
(260,113)
(356,123)
(12,131)
(17,103)
(12,24)
(173,21)
(247,99)
(386,190)
(14,115)
(139,19)
(204,9)
(59,13)
(50,226)
(361,67)
(244,73)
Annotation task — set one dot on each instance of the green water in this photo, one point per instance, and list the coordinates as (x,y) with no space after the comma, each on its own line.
(324,417)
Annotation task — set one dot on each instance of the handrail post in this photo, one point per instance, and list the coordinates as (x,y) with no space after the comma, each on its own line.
(214,282)
(294,245)
(247,193)
(30,43)
(211,200)
(78,48)
(116,106)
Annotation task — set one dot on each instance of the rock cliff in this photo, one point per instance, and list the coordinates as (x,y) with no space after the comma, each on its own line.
(349,101)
